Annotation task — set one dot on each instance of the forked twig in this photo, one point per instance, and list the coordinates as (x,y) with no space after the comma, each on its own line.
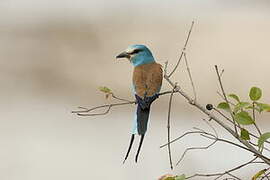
(195,148)
(88,111)
(180,137)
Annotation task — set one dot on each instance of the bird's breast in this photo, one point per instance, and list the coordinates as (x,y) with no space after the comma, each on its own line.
(147,79)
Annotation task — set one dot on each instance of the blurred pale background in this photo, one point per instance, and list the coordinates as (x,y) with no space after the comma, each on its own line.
(54,54)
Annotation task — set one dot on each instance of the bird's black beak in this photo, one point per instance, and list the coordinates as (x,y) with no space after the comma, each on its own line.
(123,55)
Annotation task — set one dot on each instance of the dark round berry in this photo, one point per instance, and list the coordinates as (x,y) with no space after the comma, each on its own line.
(209,107)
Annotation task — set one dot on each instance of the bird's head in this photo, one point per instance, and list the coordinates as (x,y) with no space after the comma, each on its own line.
(137,55)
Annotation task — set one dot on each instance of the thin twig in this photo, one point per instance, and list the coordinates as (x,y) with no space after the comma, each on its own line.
(210,175)
(228,172)
(168,126)
(256,153)
(225,97)
(264,148)
(180,137)
(194,148)
(121,99)
(201,147)
(214,130)
(254,118)
(166,67)
(183,50)
(87,111)
(198,131)
(190,77)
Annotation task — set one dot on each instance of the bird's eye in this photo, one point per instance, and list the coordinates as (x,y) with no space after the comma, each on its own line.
(136,51)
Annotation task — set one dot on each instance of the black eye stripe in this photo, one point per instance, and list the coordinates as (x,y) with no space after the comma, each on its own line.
(135,51)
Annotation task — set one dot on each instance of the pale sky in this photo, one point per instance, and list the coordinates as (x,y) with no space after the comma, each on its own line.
(36,10)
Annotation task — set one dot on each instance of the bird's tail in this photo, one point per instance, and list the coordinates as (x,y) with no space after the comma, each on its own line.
(129,147)
(142,119)
(140,122)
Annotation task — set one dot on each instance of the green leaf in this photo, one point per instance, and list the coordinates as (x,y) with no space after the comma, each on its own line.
(223,105)
(234,96)
(258,174)
(263,107)
(170,178)
(182,177)
(245,134)
(263,138)
(240,105)
(251,107)
(105,89)
(255,93)
(243,118)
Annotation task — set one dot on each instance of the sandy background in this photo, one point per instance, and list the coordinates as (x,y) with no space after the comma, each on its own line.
(55,54)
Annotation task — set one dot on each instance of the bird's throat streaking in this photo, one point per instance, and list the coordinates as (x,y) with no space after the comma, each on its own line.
(130,145)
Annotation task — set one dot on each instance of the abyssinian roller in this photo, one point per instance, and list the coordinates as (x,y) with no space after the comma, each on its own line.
(146,82)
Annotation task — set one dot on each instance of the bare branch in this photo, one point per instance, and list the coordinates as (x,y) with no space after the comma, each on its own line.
(198,131)
(228,172)
(183,50)
(168,126)
(195,148)
(258,154)
(86,111)
(190,77)
(107,107)
(120,99)
(212,175)
(180,137)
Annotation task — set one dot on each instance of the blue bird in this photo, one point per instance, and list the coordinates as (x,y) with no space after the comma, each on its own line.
(146,82)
